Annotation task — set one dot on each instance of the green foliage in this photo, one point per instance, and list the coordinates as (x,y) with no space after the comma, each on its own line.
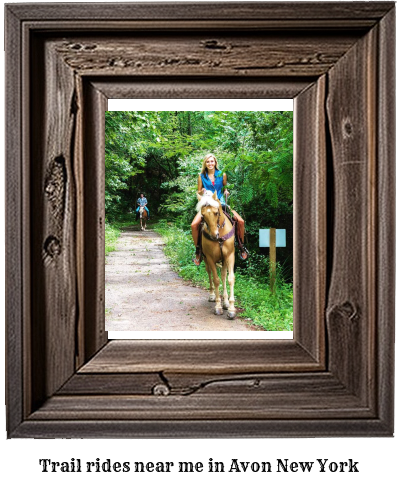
(126,143)
(112,234)
(272,312)
(254,148)
(161,154)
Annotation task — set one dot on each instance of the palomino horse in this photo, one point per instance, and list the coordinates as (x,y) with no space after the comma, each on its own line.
(143,217)
(218,245)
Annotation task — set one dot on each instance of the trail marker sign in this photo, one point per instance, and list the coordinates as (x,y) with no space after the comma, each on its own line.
(272,238)
(264,237)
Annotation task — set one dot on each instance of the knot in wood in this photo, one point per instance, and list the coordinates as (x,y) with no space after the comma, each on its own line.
(55,180)
(90,47)
(50,188)
(161,390)
(346,310)
(349,310)
(347,128)
(213,44)
(52,246)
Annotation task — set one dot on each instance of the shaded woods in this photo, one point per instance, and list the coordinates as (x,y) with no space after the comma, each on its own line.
(161,153)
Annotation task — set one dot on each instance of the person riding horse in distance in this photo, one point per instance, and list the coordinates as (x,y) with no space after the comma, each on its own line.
(142,202)
(212,179)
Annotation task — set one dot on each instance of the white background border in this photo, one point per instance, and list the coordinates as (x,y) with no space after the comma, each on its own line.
(200,105)
(378,457)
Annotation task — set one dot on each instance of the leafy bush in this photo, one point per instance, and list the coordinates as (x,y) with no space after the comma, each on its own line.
(112,234)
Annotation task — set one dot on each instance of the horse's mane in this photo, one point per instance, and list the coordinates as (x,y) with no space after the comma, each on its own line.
(207,200)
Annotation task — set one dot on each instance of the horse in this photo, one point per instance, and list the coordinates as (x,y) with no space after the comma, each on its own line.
(217,238)
(143,217)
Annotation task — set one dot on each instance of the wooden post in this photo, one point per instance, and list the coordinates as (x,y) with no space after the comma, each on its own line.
(272,259)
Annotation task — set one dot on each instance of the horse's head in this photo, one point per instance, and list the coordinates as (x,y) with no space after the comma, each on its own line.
(141,211)
(211,211)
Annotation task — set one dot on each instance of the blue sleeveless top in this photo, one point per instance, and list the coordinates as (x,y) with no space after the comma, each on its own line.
(207,184)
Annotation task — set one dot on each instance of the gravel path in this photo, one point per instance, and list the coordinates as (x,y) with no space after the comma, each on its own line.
(143,293)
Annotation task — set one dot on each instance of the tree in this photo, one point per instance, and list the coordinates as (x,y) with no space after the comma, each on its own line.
(161,153)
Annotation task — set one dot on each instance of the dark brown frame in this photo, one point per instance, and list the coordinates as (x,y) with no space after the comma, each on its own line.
(336,376)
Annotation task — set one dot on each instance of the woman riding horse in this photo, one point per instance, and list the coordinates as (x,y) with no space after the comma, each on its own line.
(142,203)
(212,179)
(217,240)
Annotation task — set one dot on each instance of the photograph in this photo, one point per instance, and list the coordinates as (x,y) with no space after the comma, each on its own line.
(189,199)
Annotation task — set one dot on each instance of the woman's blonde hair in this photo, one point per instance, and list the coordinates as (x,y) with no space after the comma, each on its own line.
(204,169)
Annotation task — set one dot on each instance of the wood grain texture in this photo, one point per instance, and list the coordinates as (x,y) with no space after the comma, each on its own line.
(310,177)
(14,261)
(351,307)
(241,54)
(209,407)
(184,383)
(95,105)
(341,11)
(335,377)
(78,146)
(191,428)
(385,300)
(194,87)
(256,396)
(310,204)
(360,25)
(112,384)
(53,211)
(200,356)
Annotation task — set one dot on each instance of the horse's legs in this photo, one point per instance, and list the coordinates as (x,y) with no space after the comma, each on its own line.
(212,297)
(231,313)
(225,295)
(216,282)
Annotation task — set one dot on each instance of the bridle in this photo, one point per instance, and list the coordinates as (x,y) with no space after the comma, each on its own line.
(222,239)
(141,211)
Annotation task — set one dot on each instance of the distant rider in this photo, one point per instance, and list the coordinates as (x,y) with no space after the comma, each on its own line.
(142,203)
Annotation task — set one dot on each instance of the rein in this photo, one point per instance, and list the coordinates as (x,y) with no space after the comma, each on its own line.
(222,239)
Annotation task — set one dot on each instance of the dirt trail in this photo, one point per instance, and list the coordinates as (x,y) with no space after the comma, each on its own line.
(143,293)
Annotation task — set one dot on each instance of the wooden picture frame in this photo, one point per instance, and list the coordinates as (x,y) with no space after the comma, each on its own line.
(336,376)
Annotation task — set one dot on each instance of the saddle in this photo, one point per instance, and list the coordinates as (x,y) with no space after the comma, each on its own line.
(220,240)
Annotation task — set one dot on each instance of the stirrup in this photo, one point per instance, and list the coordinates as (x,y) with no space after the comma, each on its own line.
(243,250)
(197,259)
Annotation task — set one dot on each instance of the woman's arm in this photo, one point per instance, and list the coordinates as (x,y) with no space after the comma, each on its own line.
(225,183)
(200,187)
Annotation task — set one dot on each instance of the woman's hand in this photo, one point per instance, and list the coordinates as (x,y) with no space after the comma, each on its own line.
(226,192)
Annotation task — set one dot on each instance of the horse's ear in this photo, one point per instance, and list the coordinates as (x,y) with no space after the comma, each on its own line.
(215,196)
(199,197)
